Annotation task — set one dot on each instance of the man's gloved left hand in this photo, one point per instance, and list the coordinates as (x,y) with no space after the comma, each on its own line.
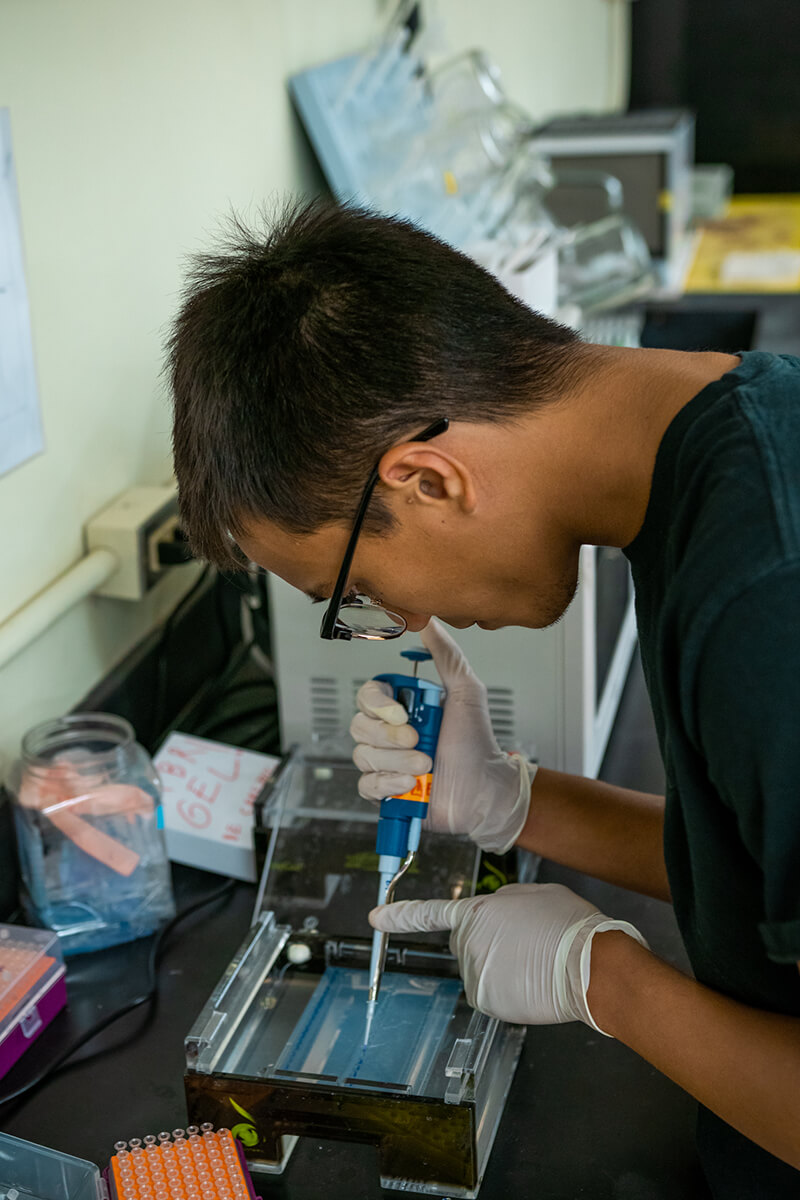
(477,789)
(524,953)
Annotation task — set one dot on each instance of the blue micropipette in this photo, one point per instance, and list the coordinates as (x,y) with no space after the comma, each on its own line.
(400,819)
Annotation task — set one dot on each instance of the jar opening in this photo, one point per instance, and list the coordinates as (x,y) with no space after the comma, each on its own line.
(98,735)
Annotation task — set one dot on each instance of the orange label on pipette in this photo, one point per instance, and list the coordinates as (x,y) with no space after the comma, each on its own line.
(421,791)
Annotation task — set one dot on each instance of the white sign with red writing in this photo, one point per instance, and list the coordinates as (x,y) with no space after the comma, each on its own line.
(208,794)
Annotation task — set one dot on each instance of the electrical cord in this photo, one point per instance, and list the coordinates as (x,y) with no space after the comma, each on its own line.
(147,996)
(249,685)
(198,708)
(245,713)
(159,711)
(239,731)
(241,704)
(198,715)
(241,725)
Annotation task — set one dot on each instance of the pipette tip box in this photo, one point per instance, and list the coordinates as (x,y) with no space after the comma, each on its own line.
(32,988)
(198,1162)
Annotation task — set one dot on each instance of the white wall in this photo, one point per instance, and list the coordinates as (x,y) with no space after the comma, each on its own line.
(135,125)
(570,55)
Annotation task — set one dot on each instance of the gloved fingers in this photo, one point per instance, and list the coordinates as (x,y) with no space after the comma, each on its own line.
(496,827)
(373,732)
(451,662)
(380,784)
(375,699)
(399,762)
(405,916)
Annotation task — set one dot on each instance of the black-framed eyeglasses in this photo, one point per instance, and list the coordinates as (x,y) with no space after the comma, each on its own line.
(359,617)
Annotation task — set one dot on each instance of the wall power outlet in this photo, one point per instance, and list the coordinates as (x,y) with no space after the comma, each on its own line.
(131,526)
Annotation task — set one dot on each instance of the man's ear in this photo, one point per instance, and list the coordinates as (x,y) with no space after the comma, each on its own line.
(425,475)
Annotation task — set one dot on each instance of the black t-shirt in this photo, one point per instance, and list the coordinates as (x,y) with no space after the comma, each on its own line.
(716,566)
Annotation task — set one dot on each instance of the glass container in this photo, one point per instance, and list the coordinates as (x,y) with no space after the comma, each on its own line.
(87,809)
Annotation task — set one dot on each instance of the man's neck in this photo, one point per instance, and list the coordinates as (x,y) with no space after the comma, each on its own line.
(610,432)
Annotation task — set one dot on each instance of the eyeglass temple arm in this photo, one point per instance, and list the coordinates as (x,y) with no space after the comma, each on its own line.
(431,431)
(361,512)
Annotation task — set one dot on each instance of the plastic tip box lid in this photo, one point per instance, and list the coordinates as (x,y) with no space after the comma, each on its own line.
(38,1173)
(29,960)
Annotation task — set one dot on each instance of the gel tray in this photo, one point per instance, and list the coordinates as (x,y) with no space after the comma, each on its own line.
(412,1015)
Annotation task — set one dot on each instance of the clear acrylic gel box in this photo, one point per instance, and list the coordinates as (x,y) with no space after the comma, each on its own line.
(277,1051)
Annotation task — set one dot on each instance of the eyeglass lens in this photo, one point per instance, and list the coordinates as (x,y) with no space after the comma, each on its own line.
(369,621)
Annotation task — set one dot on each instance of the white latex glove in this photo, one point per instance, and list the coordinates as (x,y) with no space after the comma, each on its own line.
(524,953)
(477,789)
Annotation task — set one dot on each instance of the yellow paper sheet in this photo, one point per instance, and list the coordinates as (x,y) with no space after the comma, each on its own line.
(755,247)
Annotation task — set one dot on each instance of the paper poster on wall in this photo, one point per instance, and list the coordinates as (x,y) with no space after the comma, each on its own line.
(20,419)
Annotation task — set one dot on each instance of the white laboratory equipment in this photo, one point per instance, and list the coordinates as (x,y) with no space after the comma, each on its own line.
(553,693)
(651,153)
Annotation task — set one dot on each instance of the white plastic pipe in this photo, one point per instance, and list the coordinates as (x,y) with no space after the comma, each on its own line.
(28,622)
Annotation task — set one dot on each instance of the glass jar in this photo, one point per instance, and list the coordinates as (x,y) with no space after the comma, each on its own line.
(87,810)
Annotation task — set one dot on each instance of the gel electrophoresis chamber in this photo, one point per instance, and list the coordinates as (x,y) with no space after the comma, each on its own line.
(277,1051)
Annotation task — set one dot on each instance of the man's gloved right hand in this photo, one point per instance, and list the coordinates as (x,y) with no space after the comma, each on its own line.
(477,789)
(524,953)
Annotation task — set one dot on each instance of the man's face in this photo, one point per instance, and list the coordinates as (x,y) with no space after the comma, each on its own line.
(491,571)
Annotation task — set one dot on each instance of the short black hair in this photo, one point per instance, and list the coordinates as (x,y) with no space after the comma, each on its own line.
(304,350)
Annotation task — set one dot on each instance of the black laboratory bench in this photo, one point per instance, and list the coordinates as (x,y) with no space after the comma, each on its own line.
(585,1116)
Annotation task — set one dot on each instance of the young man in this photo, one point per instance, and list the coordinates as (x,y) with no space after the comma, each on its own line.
(370,415)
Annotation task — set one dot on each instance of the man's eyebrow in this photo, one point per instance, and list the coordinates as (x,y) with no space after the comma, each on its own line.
(316,596)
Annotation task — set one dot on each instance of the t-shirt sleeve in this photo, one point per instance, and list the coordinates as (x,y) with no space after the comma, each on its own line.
(748,722)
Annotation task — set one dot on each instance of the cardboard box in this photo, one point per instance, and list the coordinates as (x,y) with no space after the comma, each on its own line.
(208,794)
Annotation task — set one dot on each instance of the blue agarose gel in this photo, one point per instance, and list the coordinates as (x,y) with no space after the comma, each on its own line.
(412,1016)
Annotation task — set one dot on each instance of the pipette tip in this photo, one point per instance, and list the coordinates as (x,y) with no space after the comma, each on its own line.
(370,1014)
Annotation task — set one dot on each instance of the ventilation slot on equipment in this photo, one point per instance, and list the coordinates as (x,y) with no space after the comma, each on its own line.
(325,715)
(502,715)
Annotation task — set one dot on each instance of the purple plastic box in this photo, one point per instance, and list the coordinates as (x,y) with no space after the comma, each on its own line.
(32,988)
